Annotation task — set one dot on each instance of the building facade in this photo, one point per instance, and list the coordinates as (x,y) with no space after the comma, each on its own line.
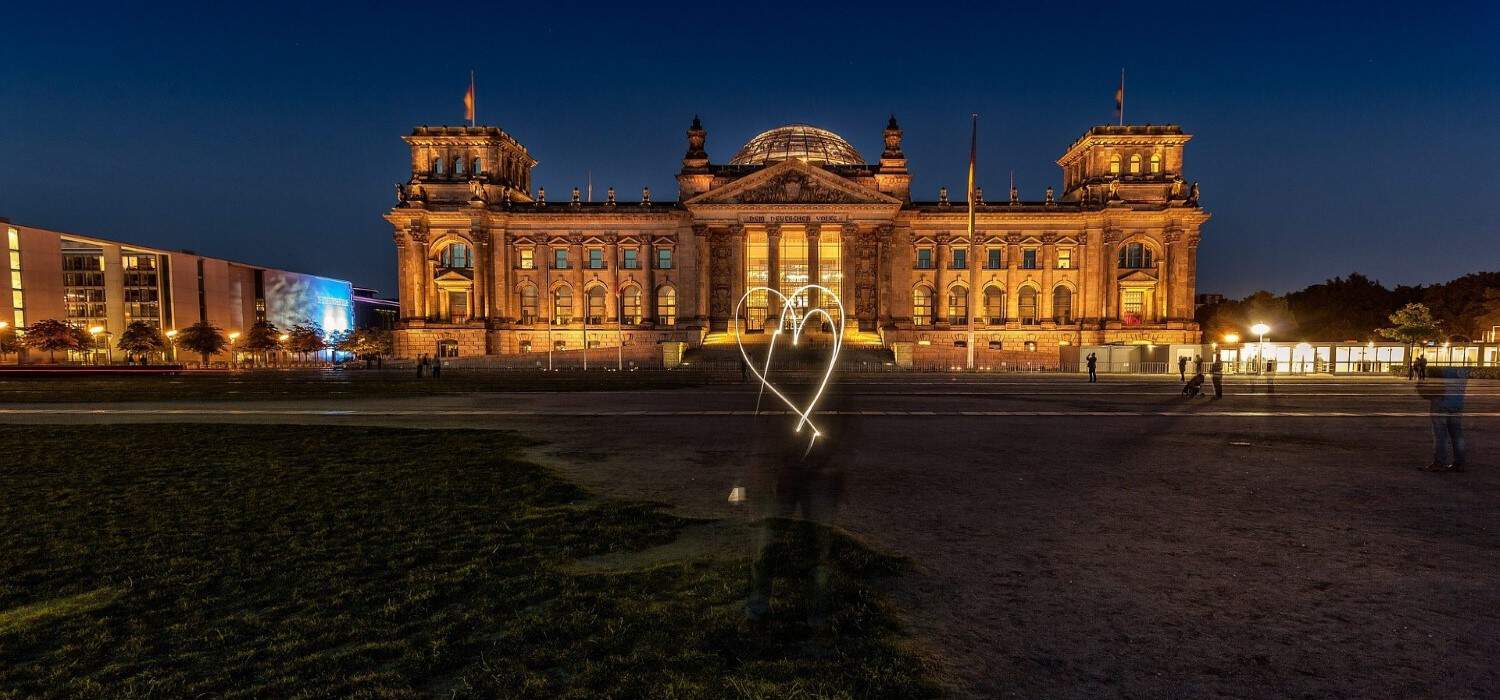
(487,266)
(91,282)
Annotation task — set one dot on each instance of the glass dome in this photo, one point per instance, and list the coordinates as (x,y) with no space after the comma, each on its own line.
(811,144)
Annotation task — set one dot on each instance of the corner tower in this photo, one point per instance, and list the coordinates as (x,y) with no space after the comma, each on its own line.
(461,163)
(1130,163)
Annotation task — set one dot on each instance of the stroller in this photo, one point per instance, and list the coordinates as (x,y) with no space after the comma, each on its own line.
(1194,388)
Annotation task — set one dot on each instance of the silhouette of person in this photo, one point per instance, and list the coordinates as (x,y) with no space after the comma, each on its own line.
(422,366)
(1182,367)
(1445,406)
(1419,368)
(1217,370)
(437,366)
(1093,361)
(1197,364)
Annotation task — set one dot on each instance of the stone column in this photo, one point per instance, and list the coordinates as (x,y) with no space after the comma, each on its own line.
(814,233)
(1048,261)
(500,284)
(1111,274)
(1189,279)
(404,292)
(479,289)
(704,275)
(612,276)
(1083,303)
(647,260)
(1012,277)
(1171,242)
(575,260)
(736,267)
(773,258)
(883,282)
(940,281)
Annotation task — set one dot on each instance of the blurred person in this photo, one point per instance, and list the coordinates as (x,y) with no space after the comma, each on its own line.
(1182,367)
(1419,368)
(1217,370)
(1445,406)
(1093,361)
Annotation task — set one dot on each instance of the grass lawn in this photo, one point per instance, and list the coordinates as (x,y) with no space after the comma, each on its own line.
(285,561)
(332,384)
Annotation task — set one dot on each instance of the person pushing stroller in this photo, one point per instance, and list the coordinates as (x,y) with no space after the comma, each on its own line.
(1194,388)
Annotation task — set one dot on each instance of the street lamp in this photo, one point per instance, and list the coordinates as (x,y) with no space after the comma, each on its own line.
(94,332)
(172,343)
(233,352)
(1261,330)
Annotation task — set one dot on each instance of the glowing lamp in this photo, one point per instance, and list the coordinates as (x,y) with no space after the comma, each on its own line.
(283,337)
(172,334)
(1260,329)
(96,330)
(1231,338)
(4,325)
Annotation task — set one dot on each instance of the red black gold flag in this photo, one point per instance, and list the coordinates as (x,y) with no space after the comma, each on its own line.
(1120,98)
(469,100)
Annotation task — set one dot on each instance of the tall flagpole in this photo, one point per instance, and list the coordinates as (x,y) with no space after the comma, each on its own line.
(969,287)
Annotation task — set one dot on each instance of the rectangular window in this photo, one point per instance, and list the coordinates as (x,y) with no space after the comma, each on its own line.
(757,274)
(527,259)
(924,258)
(15,259)
(993,260)
(960,259)
(830,265)
(1064,258)
(559,258)
(663,258)
(632,260)
(1134,303)
(794,265)
(14,237)
(1028,259)
(596,258)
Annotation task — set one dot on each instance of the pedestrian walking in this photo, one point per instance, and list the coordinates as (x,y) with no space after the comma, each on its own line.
(1445,406)
(1093,361)
(1420,368)
(1182,367)
(421,366)
(1197,364)
(437,367)
(1217,370)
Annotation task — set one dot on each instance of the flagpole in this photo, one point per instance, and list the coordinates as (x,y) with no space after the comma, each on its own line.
(969,291)
(474,100)
(1122,97)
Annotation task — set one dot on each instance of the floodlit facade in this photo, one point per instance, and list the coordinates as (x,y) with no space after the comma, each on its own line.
(91,282)
(487,265)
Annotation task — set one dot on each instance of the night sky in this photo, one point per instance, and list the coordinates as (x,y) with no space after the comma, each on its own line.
(1326,140)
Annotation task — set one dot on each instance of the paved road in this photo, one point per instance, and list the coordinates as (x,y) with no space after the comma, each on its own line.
(1076,540)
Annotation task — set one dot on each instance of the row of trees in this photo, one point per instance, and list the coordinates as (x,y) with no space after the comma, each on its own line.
(1358,308)
(140,340)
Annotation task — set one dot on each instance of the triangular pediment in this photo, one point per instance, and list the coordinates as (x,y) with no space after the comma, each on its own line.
(792,182)
(1138,276)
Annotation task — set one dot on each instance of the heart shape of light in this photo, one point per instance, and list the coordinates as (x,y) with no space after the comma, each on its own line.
(789,317)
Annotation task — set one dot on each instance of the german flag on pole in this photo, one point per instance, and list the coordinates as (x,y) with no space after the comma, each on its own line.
(469,100)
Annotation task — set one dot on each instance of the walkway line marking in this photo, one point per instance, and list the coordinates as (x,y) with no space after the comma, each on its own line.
(340,413)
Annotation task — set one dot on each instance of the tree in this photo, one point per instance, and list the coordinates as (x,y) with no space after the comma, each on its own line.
(53,335)
(10,343)
(141,338)
(1412,324)
(203,338)
(263,337)
(306,338)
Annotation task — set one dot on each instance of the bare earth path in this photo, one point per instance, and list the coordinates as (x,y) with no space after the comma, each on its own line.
(1076,540)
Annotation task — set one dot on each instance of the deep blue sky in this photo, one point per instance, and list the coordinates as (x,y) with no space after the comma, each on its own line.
(1326,139)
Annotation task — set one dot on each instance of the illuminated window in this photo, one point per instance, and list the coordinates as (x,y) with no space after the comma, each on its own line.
(457,256)
(830,264)
(663,258)
(1027,302)
(1062,305)
(960,259)
(525,346)
(1155,163)
(757,274)
(924,258)
(1134,304)
(666,306)
(562,305)
(474,166)
(458,166)
(993,259)
(1064,258)
(18,299)
(595,298)
(596,258)
(437,167)
(528,304)
(921,306)
(1135,256)
(458,305)
(559,258)
(794,265)
(14,237)
(527,259)
(994,305)
(141,288)
(1135,164)
(631,259)
(1114,164)
(1028,259)
(958,305)
(630,305)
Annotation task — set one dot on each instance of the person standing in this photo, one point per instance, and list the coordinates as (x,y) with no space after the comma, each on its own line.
(1445,405)
(1093,361)
(1182,367)
(1419,368)
(1197,364)
(1217,369)
(437,366)
(422,366)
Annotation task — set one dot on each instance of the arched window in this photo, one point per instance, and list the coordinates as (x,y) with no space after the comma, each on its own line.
(595,298)
(958,305)
(457,256)
(1135,164)
(474,167)
(562,305)
(437,167)
(666,306)
(921,306)
(1062,305)
(1027,301)
(994,305)
(458,166)
(1114,164)
(630,305)
(528,304)
(1135,256)
(1155,163)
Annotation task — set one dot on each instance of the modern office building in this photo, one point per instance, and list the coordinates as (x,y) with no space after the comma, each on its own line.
(88,282)
(487,265)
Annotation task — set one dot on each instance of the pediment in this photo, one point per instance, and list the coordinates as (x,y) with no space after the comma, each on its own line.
(1138,276)
(792,182)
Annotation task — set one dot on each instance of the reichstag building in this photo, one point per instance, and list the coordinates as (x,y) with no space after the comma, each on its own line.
(490,266)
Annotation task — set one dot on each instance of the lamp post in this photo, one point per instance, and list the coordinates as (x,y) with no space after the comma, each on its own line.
(172,343)
(234,352)
(94,332)
(283,338)
(1261,330)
